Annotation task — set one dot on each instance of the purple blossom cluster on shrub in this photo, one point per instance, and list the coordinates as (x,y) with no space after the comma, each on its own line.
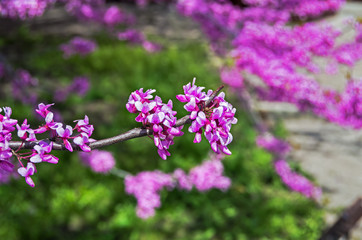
(80,86)
(146,186)
(215,119)
(158,116)
(296,182)
(78,45)
(23,8)
(204,177)
(255,53)
(23,87)
(293,180)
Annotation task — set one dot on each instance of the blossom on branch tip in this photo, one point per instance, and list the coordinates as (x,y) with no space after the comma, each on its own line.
(215,119)
(43,109)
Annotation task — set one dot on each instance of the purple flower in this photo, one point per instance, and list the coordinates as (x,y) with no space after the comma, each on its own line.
(295,181)
(23,87)
(209,175)
(50,124)
(6,127)
(145,186)
(80,85)
(216,119)
(43,109)
(23,9)
(40,153)
(232,77)
(83,126)
(79,46)
(132,36)
(151,47)
(65,134)
(27,172)
(99,161)
(113,16)
(155,115)
(24,130)
(82,141)
(183,180)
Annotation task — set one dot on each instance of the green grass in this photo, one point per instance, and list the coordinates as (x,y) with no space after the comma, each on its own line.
(71,202)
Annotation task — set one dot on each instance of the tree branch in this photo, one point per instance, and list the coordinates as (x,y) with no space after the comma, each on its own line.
(133,133)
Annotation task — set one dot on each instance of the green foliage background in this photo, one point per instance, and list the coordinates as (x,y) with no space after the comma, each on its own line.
(71,202)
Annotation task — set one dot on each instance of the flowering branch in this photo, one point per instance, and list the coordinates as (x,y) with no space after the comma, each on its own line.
(133,133)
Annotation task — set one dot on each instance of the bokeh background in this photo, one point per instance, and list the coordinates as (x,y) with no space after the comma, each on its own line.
(70,201)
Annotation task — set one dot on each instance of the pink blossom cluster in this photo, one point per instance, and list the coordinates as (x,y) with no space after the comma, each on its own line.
(232,77)
(276,55)
(78,45)
(99,161)
(215,119)
(146,186)
(23,9)
(135,37)
(218,20)
(204,177)
(349,105)
(41,152)
(221,20)
(155,115)
(97,11)
(113,18)
(295,181)
(79,85)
